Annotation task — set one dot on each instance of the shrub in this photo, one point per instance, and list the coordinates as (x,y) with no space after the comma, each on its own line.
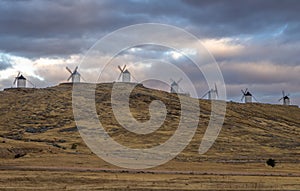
(271,162)
(74,146)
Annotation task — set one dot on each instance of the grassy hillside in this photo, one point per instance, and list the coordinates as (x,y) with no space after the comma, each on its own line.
(37,128)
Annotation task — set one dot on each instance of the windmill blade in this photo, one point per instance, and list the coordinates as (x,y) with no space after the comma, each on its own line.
(216,89)
(283,94)
(255,98)
(243,92)
(134,78)
(120,75)
(82,77)
(16,78)
(205,94)
(120,68)
(243,97)
(246,90)
(70,77)
(280,99)
(124,68)
(75,70)
(179,80)
(69,70)
(15,81)
(31,83)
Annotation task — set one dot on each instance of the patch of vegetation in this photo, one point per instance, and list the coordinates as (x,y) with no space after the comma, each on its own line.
(271,162)
(74,146)
(19,155)
(36,130)
(71,129)
(58,146)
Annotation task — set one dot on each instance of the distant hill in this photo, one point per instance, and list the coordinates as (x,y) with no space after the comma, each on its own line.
(251,132)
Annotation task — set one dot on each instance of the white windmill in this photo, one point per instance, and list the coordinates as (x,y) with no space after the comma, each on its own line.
(247,96)
(175,88)
(212,93)
(74,75)
(285,98)
(20,81)
(126,76)
(175,85)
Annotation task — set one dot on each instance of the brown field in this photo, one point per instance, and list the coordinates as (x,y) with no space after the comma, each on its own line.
(41,148)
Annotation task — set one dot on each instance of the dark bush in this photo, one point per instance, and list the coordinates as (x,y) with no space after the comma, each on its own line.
(74,146)
(19,155)
(271,162)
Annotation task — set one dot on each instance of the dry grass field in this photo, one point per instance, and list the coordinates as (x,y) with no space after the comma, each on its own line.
(41,148)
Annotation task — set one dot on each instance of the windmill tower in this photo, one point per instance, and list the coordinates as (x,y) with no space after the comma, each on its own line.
(126,76)
(212,93)
(20,81)
(74,75)
(175,86)
(285,98)
(247,96)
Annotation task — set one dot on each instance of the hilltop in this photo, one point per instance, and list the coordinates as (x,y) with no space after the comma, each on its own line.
(37,128)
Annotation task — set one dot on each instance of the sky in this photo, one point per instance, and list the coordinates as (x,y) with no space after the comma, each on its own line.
(255,43)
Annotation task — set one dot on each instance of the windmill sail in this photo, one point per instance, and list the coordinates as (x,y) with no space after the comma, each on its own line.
(212,93)
(75,75)
(285,98)
(247,96)
(16,78)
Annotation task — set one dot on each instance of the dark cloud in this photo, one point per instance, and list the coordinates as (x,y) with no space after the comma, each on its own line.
(259,73)
(4,65)
(43,28)
(221,18)
(39,47)
(5,62)
(71,26)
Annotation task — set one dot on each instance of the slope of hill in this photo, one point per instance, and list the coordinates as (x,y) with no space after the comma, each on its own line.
(39,140)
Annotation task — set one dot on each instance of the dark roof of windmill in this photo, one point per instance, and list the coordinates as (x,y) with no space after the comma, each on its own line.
(21,77)
(174,84)
(248,94)
(126,71)
(286,97)
(75,73)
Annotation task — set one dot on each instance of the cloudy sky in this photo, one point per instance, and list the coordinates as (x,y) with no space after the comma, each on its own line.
(255,43)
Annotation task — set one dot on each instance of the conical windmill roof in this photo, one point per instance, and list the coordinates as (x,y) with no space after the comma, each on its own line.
(21,77)
(126,71)
(286,97)
(174,83)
